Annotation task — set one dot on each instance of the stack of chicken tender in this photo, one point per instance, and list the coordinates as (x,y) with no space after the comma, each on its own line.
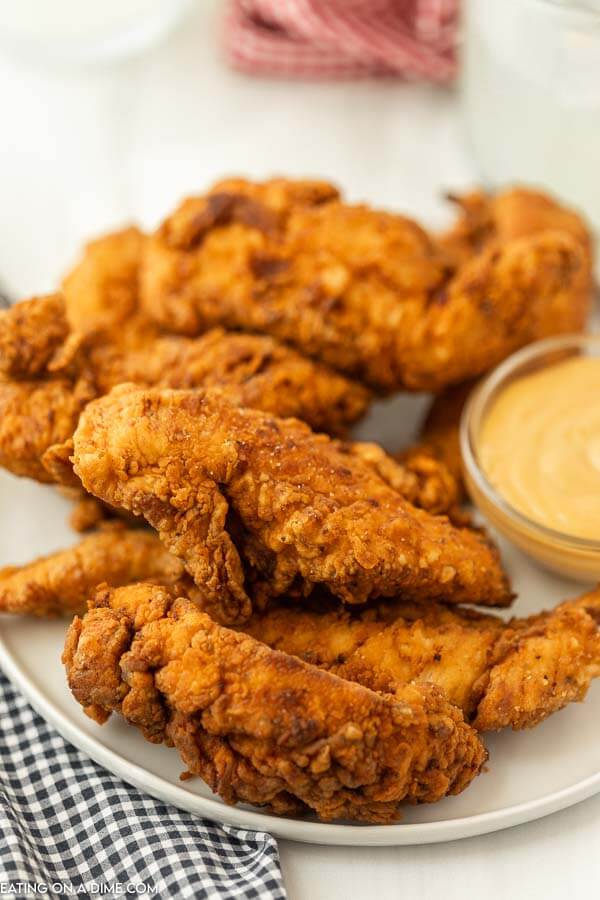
(288,608)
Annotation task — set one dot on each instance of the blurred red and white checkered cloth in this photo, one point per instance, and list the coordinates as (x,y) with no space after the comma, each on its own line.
(414,39)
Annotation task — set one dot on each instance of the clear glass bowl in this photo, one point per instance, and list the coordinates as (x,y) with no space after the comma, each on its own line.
(575,557)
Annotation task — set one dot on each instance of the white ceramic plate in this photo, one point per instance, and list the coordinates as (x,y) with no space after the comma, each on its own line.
(530,774)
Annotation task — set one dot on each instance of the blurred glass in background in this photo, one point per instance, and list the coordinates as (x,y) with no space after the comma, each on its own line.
(531,95)
(84,31)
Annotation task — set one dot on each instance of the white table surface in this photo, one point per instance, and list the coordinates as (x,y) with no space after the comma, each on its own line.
(84,150)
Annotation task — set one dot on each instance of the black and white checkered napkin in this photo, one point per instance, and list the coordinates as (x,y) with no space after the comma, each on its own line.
(68,824)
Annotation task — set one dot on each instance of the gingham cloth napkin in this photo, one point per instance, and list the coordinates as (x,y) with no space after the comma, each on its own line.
(414,39)
(66,823)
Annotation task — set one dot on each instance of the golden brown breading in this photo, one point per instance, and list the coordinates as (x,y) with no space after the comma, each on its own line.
(320,631)
(364,291)
(505,297)
(486,219)
(417,474)
(101,292)
(69,371)
(451,648)
(41,396)
(36,414)
(325,277)
(548,662)
(215,479)
(61,583)
(422,479)
(439,435)
(30,333)
(256,371)
(87,513)
(501,675)
(259,726)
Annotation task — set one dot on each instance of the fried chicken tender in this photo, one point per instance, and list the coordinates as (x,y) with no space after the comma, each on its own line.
(39,402)
(422,480)
(30,334)
(36,414)
(439,440)
(418,475)
(101,292)
(486,219)
(256,371)
(259,726)
(367,292)
(502,299)
(40,414)
(217,481)
(489,222)
(48,373)
(512,674)
(87,512)
(548,663)
(61,583)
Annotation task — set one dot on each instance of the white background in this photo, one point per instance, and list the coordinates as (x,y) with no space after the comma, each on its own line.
(84,150)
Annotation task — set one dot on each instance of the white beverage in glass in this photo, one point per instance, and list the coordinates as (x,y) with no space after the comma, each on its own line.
(531,95)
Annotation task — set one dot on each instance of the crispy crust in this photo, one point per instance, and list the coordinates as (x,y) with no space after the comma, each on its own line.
(485,220)
(439,435)
(502,675)
(259,726)
(36,414)
(255,371)
(48,373)
(367,292)
(61,583)
(101,292)
(421,477)
(30,333)
(218,481)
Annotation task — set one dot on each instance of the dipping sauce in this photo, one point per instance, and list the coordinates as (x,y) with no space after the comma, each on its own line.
(539,446)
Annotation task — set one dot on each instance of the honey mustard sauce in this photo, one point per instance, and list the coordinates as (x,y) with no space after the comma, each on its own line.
(539,446)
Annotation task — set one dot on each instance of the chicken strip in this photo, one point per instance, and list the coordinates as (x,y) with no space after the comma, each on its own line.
(87,512)
(61,583)
(502,299)
(65,370)
(418,475)
(501,674)
(31,333)
(259,726)
(40,412)
(423,480)
(439,437)
(217,481)
(101,292)
(36,414)
(486,220)
(367,292)
(548,663)
(256,371)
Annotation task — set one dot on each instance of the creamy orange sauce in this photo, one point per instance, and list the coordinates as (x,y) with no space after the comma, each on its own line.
(539,446)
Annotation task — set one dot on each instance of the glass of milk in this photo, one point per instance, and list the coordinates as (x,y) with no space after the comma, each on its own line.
(531,95)
(81,31)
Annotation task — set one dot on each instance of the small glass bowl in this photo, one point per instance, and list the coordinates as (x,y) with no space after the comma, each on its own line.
(575,557)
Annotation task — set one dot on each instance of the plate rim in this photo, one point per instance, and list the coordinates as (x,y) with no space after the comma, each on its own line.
(419,833)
